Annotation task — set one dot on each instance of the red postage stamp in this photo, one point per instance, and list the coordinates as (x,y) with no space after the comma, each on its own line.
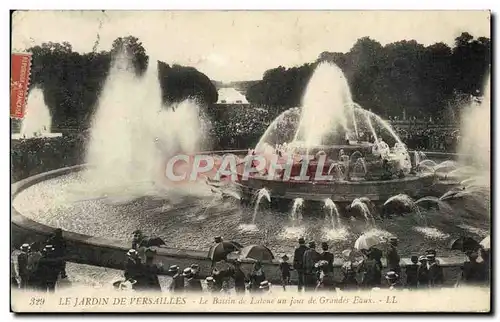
(19,82)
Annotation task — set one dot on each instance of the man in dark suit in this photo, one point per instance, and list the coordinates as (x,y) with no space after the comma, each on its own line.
(435,273)
(393,256)
(298,263)
(311,257)
(327,256)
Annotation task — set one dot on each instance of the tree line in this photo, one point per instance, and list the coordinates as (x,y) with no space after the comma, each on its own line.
(401,76)
(72,82)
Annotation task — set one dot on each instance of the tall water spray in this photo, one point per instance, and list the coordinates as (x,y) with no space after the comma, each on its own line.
(332,213)
(475,132)
(261,193)
(296,212)
(132,132)
(37,120)
(327,106)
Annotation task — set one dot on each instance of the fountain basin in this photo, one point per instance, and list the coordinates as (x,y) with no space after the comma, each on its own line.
(102,240)
(341,191)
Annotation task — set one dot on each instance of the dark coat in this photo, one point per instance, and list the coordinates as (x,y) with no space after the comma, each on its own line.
(422,276)
(327,256)
(435,275)
(239,278)
(474,273)
(177,284)
(192,285)
(393,260)
(311,257)
(411,272)
(22,265)
(298,257)
(133,269)
(372,270)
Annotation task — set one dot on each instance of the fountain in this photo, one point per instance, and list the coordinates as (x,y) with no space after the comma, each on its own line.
(37,122)
(364,210)
(332,213)
(343,141)
(296,212)
(121,189)
(142,133)
(260,194)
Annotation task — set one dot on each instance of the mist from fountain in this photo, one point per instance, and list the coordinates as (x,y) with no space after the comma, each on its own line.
(37,120)
(327,116)
(133,133)
(475,133)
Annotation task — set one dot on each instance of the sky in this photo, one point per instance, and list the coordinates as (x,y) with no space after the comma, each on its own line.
(241,45)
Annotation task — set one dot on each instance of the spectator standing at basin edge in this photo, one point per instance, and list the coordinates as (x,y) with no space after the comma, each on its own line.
(22,266)
(239,278)
(298,262)
(473,272)
(327,256)
(59,244)
(411,272)
(435,273)
(393,256)
(311,257)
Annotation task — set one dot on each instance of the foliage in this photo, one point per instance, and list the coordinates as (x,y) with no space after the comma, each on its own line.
(401,76)
(72,82)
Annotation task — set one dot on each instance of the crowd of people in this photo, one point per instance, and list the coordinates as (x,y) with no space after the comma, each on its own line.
(31,156)
(41,265)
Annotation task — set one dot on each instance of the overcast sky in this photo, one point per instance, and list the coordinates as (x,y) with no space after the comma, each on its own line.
(242,45)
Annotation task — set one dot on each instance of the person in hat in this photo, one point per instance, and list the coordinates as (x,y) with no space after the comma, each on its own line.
(150,271)
(47,270)
(22,266)
(311,257)
(435,273)
(256,277)
(411,272)
(211,285)
(327,256)
(265,286)
(392,279)
(177,284)
(191,284)
(285,269)
(59,244)
(298,262)
(239,278)
(473,272)
(422,273)
(137,239)
(195,269)
(392,256)
(134,270)
(34,256)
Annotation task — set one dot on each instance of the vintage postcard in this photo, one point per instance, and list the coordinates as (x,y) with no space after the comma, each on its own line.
(250,161)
